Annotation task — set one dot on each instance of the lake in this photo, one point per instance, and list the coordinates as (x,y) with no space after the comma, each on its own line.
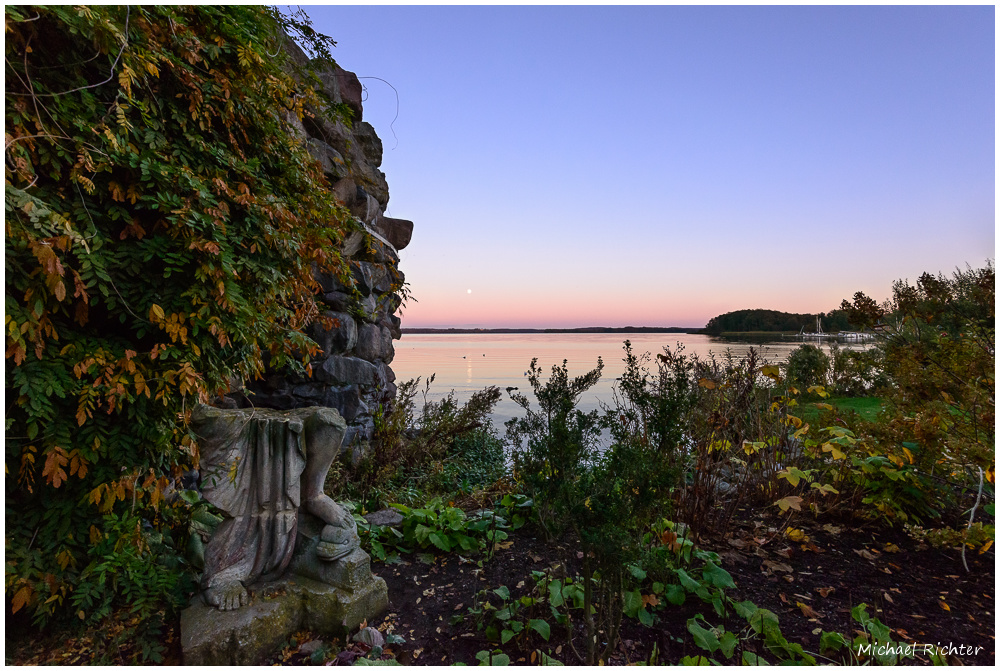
(467,363)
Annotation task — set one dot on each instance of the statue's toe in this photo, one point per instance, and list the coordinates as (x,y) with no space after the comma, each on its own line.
(336,542)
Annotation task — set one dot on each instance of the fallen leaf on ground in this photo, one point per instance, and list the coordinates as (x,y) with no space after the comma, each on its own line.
(807,609)
(784,599)
(865,554)
(650,600)
(825,591)
(830,529)
(892,547)
(777,566)
(796,535)
(944,605)
(888,598)
(784,552)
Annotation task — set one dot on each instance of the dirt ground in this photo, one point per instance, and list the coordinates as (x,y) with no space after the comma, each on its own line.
(924,595)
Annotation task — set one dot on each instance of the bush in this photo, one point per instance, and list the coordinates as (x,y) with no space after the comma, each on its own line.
(807,366)
(446,448)
(857,372)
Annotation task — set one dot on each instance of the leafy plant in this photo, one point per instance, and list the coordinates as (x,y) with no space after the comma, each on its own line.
(436,526)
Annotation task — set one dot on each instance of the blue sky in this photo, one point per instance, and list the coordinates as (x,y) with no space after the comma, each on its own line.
(656,166)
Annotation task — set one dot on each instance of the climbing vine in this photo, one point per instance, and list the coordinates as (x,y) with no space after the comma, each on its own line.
(163,227)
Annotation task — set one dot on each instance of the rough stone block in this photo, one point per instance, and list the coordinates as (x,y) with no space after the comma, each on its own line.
(252,634)
(339,339)
(248,636)
(347,370)
(346,400)
(369,345)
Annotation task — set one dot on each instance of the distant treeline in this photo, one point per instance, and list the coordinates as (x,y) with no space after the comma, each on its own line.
(772,320)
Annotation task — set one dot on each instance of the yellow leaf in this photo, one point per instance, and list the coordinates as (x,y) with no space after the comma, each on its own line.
(834,451)
(21,597)
(792,502)
(706,383)
(986,547)
(795,535)
(772,372)
(944,605)
(155,313)
(823,406)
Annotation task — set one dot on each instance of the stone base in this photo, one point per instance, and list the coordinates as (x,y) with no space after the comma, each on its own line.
(250,635)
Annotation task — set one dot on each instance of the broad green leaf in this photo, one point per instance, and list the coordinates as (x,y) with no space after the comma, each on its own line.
(540,626)
(703,638)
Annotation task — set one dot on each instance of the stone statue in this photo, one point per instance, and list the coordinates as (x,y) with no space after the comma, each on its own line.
(265,469)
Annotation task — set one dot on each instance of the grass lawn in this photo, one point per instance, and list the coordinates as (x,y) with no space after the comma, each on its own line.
(867,407)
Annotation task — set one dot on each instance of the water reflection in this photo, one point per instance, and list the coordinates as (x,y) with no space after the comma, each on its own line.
(467,363)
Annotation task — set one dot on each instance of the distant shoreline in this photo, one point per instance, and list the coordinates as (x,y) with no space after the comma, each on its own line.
(587,329)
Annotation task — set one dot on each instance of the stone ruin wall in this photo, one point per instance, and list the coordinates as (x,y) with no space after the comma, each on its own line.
(352,374)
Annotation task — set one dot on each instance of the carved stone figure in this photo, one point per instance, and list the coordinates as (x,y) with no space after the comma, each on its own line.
(265,469)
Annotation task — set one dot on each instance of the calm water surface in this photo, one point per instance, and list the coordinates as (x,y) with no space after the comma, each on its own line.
(468,363)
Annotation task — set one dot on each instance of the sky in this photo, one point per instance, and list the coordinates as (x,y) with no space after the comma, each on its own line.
(658,166)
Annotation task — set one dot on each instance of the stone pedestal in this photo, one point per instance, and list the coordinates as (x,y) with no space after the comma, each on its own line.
(250,635)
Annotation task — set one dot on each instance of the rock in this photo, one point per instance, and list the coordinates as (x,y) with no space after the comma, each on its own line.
(346,191)
(273,401)
(251,635)
(368,307)
(342,86)
(396,231)
(338,300)
(327,282)
(309,647)
(387,255)
(369,345)
(346,400)
(353,243)
(329,158)
(383,281)
(339,339)
(310,392)
(395,327)
(387,351)
(369,142)
(387,517)
(347,370)
(364,277)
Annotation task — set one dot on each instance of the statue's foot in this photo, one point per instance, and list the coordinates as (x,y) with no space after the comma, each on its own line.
(329,511)
(227,596)
(336,542)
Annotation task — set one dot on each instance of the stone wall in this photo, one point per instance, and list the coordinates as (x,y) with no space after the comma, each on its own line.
(352,374)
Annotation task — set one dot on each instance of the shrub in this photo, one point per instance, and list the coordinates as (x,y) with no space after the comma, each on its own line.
(937,341)
(807,366)
(436,452)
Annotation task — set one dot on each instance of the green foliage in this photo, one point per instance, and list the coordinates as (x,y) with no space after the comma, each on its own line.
(163,227)
(972,536)
(807,366)
(742,321)
(447,449)
(938,344)
(857,372)
(435,527)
